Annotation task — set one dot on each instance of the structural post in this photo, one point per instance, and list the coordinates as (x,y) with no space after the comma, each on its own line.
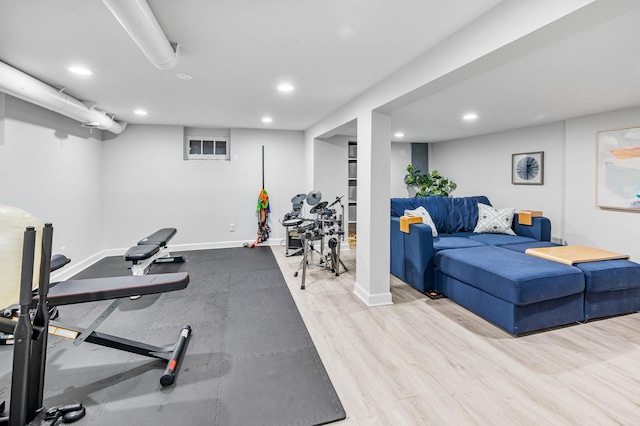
(373,283)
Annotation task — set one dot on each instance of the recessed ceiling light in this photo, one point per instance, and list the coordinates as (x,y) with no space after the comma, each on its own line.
(470,116)
(81,71)
(286,87)
(399,135)
(140,112)
(184,76)
(267,119)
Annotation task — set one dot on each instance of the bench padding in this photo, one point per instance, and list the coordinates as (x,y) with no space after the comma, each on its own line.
(160,237)
(137,253)
(90,290)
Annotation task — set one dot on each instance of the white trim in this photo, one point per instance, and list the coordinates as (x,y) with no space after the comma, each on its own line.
(77,267)
(371,300)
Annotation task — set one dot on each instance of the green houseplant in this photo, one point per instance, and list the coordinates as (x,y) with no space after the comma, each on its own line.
(428,184)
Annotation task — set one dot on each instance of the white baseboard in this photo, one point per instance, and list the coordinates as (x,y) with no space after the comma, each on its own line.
(76,267)
(371,300)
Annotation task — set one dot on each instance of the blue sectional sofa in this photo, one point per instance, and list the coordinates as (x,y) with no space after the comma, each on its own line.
(489,273)
(413,254)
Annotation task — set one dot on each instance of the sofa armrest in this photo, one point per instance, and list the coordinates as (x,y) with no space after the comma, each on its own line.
(397,249)
(540,228)
(418,251)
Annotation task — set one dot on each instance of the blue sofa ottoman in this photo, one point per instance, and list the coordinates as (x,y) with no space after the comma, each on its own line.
(612,287)
(517,292)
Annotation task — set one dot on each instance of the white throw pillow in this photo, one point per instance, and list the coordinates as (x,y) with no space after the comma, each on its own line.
(426,218)
(494,221)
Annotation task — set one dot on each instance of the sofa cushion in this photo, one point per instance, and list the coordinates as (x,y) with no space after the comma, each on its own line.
(607,275)
(511,276)
(522,247)
(500,239)
(494,221)
(463,213)
(445,243)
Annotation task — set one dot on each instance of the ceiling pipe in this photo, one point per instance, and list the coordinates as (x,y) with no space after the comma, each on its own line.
(139,22)
(20,85)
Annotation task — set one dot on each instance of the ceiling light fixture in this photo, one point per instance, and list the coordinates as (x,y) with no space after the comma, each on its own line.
(139,22)
(399,135)
(81,70)
(286,87)
(267,119)
(140,112)
(470,116)
(184,76)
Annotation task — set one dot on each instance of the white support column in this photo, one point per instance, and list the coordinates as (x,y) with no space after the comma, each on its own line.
(373,283)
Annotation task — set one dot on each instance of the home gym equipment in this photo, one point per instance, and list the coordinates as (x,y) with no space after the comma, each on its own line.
(151,250)
(57,262)
(263,209)
(30,336)
(325,230)
(30,347)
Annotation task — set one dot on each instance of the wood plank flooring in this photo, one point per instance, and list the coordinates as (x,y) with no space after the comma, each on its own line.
(432,362)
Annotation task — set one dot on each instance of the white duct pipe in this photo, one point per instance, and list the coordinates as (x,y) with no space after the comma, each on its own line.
(20,85)
(140,23)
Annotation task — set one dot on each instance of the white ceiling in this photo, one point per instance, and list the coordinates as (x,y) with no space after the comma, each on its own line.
(237,50)
(583,66)
(332,50)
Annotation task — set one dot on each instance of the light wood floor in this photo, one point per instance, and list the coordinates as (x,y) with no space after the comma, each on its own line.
(432,362)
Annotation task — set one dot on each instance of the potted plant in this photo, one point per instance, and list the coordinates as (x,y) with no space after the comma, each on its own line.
(428,184)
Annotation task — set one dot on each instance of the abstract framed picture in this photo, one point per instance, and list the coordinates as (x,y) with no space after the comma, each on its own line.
(527,168)
(618,174)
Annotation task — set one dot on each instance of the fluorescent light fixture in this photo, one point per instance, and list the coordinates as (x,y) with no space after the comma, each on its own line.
(184,76)
(140,112)
(81,70)
(286,87)
(470,116)
(399,135)
(267,119)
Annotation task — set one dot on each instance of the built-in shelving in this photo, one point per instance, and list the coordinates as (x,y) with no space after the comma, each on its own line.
(352,195)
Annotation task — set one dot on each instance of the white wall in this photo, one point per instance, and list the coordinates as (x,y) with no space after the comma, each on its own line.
(482,166)
(51,167)
(400,159)
(586,223)
(331,171)
(147,185)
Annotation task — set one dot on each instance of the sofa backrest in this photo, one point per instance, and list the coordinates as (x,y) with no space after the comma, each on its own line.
(448,213)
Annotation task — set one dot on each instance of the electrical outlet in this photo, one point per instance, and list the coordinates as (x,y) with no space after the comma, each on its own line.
(232,227)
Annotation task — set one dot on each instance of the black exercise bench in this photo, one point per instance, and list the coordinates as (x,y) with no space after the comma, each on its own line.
(150,250)
(30,335)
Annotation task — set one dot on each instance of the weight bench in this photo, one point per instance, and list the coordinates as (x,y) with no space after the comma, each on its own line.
(30,347)
(150,250)
(121,289)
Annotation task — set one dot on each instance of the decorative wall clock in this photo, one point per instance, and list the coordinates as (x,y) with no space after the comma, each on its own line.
(527,168)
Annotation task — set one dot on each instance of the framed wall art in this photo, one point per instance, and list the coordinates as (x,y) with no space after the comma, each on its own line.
(618,174)
(527,168)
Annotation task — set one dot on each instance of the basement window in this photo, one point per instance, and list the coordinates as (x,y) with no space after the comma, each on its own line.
(207,148)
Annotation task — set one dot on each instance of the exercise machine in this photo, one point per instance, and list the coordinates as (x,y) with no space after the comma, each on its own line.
(151,250)
(30,335)
(30,345)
